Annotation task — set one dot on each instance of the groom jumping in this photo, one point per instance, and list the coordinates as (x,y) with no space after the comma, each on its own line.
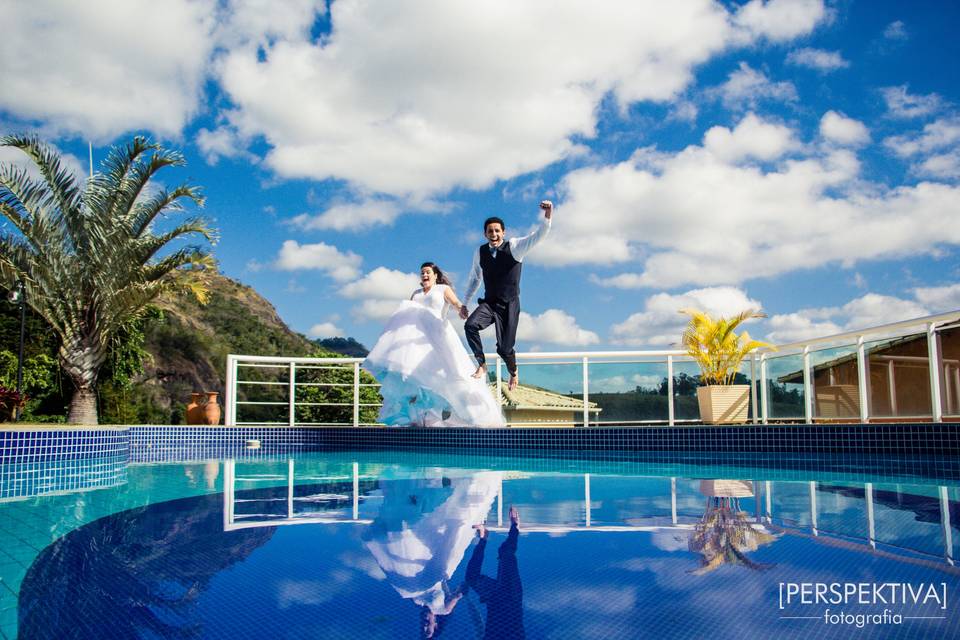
(499,263)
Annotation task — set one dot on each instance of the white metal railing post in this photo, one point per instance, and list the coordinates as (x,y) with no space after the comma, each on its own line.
(356,394)
(871,523)
(945,524)
(292,409)
(671,415)
(933,349)
(496,361)
(862,380)
(586,498)
(586,392)
(807,387)
(673,500)
(764,391)
(753,387)
(290,464)
(813,507)
(230,391)
(500,503)
(356,490)
(768,497)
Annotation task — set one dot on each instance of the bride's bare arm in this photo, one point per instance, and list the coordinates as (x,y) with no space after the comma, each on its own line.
(452,298)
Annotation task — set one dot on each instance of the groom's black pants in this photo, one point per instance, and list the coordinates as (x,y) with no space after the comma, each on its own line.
(504,314)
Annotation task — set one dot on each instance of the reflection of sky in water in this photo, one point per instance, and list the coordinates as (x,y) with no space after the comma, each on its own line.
(319,580)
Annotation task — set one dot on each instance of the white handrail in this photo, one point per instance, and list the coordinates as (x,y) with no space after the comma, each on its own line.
(928,325)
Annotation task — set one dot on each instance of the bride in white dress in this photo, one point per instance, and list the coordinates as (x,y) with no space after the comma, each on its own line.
(422,366)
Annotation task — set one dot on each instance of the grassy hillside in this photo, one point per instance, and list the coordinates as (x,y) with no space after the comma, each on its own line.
(188,346)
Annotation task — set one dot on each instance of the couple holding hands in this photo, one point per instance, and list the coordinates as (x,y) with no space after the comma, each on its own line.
(426,375)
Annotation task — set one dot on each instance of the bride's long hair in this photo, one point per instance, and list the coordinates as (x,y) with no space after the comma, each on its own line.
(441,276)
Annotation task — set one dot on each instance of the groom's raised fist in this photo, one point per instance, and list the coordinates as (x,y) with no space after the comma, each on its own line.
(547,207)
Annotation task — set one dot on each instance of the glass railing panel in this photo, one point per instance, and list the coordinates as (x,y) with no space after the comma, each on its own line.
(628,392)
(835,383)
(785,395)
(790,503)
(545,500)
(841,509)
(950,372)
(550,393)
(686,379)
(899,377)
(908,516)
(630,500)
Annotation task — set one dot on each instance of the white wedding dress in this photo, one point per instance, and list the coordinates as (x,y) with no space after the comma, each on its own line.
(423,529)
(425,371)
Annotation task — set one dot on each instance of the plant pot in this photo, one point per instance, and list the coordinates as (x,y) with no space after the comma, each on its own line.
(195,409)
(724,404)
(211,410)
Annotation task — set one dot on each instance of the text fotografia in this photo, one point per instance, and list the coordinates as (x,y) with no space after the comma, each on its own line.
(868,594)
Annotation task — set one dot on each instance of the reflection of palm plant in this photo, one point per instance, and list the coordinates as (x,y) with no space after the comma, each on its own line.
(724,535)
(715,347)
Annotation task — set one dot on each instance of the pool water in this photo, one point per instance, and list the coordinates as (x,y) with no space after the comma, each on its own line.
(386,545)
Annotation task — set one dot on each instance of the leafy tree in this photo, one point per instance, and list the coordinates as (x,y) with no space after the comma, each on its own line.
(88,253)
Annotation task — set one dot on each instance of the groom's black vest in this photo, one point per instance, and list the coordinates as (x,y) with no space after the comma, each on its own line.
(501,274)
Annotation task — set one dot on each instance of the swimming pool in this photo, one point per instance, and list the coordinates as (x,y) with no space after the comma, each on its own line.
(351,544)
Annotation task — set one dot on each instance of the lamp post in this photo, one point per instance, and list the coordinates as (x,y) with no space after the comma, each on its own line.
(18,295)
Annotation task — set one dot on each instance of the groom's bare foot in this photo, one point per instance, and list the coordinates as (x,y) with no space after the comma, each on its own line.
(480,371)
(514,381)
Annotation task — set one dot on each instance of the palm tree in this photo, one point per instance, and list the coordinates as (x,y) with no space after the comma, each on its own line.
(715,346)
(88,251)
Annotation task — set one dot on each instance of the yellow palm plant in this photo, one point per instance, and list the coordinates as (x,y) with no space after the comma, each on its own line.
(715,346)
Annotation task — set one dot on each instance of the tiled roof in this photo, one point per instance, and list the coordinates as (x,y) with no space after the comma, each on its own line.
(527,397)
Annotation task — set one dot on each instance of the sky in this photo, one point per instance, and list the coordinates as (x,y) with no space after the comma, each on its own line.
(801,157)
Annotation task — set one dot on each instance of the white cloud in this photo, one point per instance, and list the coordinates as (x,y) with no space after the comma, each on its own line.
(818,59)
(869,310)
(693,218)
(340,266)
(99,71)
(746,88)
(380,291)
(941,133)
(838,128)
(896,30)
(661,323)
(383,283)
(902,104)
(431,95)
(780,20)
(791,327)
(325,330)
(252,23)
(554,326)
(349,216)
(939,299)
(222,142)
(752,137)
(945,166)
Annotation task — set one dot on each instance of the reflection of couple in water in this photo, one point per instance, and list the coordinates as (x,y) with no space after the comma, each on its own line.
(426,375)
(420,537)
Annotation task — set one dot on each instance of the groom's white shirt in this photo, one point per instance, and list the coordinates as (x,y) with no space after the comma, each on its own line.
(519,248)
